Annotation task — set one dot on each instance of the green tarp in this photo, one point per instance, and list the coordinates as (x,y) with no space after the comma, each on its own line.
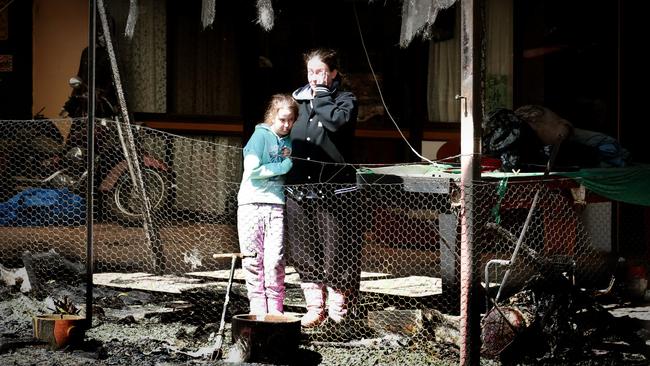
(629,184)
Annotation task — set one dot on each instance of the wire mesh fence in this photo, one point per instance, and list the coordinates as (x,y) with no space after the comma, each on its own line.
(540,263)
(375,258)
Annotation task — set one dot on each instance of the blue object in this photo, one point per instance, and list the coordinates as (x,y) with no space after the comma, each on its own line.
(43,207)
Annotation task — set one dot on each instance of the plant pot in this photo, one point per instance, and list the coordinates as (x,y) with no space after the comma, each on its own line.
(59,330)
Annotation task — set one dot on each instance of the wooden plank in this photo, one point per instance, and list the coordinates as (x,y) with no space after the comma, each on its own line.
(411,286)
(148,282)
(291,276)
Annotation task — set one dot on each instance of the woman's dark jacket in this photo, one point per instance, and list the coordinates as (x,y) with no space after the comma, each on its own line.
(323,132)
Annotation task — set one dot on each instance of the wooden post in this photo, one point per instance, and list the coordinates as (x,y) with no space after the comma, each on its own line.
(470,171)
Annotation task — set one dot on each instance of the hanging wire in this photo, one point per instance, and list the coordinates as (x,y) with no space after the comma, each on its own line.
(6,6)
(381,96)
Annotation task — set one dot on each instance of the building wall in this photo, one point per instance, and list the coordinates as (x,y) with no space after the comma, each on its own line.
(15,60)
(60,34)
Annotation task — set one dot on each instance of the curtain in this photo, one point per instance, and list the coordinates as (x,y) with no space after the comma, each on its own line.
(444,77)
(205,66)
(498,78)
(143,59)
(208,171)
(444,65)
(203,63)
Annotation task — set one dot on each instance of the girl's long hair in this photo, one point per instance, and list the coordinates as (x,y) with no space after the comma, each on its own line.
(280,101)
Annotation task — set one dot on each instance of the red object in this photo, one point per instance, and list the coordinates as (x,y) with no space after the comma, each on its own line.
(59,330)
(636,272)
(65,330)
(490,164)
(448,149)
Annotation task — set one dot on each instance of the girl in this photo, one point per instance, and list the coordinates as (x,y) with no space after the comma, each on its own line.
(260,215)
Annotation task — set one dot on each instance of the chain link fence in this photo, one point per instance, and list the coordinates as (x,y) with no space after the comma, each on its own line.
(394,251)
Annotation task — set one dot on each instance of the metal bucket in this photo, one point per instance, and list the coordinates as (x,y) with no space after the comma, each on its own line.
(500,327)
(271,338)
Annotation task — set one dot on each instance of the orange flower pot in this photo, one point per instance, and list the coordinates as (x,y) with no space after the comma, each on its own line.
(59,330)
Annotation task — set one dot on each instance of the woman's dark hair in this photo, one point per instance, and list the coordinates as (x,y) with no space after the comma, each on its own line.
(328,56)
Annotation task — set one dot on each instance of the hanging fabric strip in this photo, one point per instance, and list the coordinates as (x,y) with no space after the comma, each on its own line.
(208,12)
(265,15)
(131,19)
(418,17)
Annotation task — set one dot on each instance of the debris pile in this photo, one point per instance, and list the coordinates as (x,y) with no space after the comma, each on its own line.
(554,322)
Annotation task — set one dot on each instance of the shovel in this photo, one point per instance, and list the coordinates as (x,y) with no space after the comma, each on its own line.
(216,349)
(520,240)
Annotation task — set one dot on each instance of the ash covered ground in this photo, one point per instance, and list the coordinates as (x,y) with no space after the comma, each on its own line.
(141,328)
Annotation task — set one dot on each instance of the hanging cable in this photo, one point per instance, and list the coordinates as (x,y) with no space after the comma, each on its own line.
(6,6)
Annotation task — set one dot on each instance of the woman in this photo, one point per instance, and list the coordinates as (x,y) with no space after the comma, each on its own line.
(324,237)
